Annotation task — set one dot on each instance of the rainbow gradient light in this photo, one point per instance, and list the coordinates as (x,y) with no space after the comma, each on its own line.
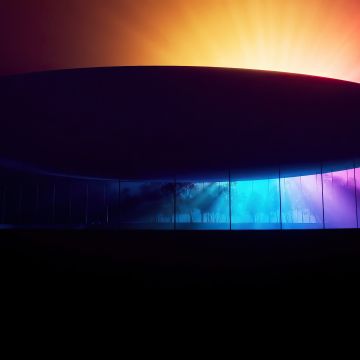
(312,201)
(326,199)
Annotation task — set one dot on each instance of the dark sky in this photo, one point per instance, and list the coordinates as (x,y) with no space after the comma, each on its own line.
(50,34)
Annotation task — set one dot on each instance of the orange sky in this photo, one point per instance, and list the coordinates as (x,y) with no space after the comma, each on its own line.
(318,37)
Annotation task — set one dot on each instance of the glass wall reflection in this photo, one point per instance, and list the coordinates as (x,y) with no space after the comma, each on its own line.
(61,201)
(98,209)
(339,197)
(202,205)
(301,202)
(316,198)
(357,180)
(146,205)
(255,204)
(78,202)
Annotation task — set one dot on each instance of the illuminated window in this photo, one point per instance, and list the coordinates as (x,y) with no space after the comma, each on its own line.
(357,179)
(339,197)
(202,205)
(255,204)
(301,202)
(147,205)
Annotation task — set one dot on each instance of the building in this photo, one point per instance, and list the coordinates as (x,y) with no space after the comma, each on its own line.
(179,148)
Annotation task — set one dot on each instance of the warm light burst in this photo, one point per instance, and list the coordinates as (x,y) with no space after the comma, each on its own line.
(318,37)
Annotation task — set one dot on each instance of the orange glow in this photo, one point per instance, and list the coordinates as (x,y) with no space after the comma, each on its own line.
(317,37)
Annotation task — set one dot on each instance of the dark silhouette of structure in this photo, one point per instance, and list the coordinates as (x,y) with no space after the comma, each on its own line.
(180,148)
(156,122)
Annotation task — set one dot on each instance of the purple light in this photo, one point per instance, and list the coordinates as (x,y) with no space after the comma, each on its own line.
(339,199)
(357,180)
(301,202)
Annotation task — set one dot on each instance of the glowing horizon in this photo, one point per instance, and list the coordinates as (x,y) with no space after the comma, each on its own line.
(275,35)
(310,37)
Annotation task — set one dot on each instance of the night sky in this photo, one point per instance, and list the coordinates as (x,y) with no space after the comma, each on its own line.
(318,37)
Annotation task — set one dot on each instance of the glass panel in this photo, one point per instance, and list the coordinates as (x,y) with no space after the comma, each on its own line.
(78,210)
(255,204)
(301,202)
(3,190)
(147,205)
(202,205)
(62,201)
(45,201)
(29,202)
(97,202)
(357,178)
(2,203)
(11,201)
(113,202)
(339,198)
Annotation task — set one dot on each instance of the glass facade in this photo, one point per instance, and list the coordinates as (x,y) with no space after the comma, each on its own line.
(302,201)
(327,197)
(357,189)
(202,205)
(146,204)
(339,198)
(255,204)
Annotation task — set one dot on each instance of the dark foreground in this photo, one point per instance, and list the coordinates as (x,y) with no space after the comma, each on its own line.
(146,259)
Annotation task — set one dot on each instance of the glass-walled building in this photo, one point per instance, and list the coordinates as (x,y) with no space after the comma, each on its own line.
(321,197)
(202,204)
(255,201)
(302,199)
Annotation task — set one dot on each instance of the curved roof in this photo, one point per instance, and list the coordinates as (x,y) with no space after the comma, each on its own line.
(143,122)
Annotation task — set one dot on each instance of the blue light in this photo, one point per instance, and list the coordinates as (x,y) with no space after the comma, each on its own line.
(255,204)
(301,202)
(322,197)
(202,205)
